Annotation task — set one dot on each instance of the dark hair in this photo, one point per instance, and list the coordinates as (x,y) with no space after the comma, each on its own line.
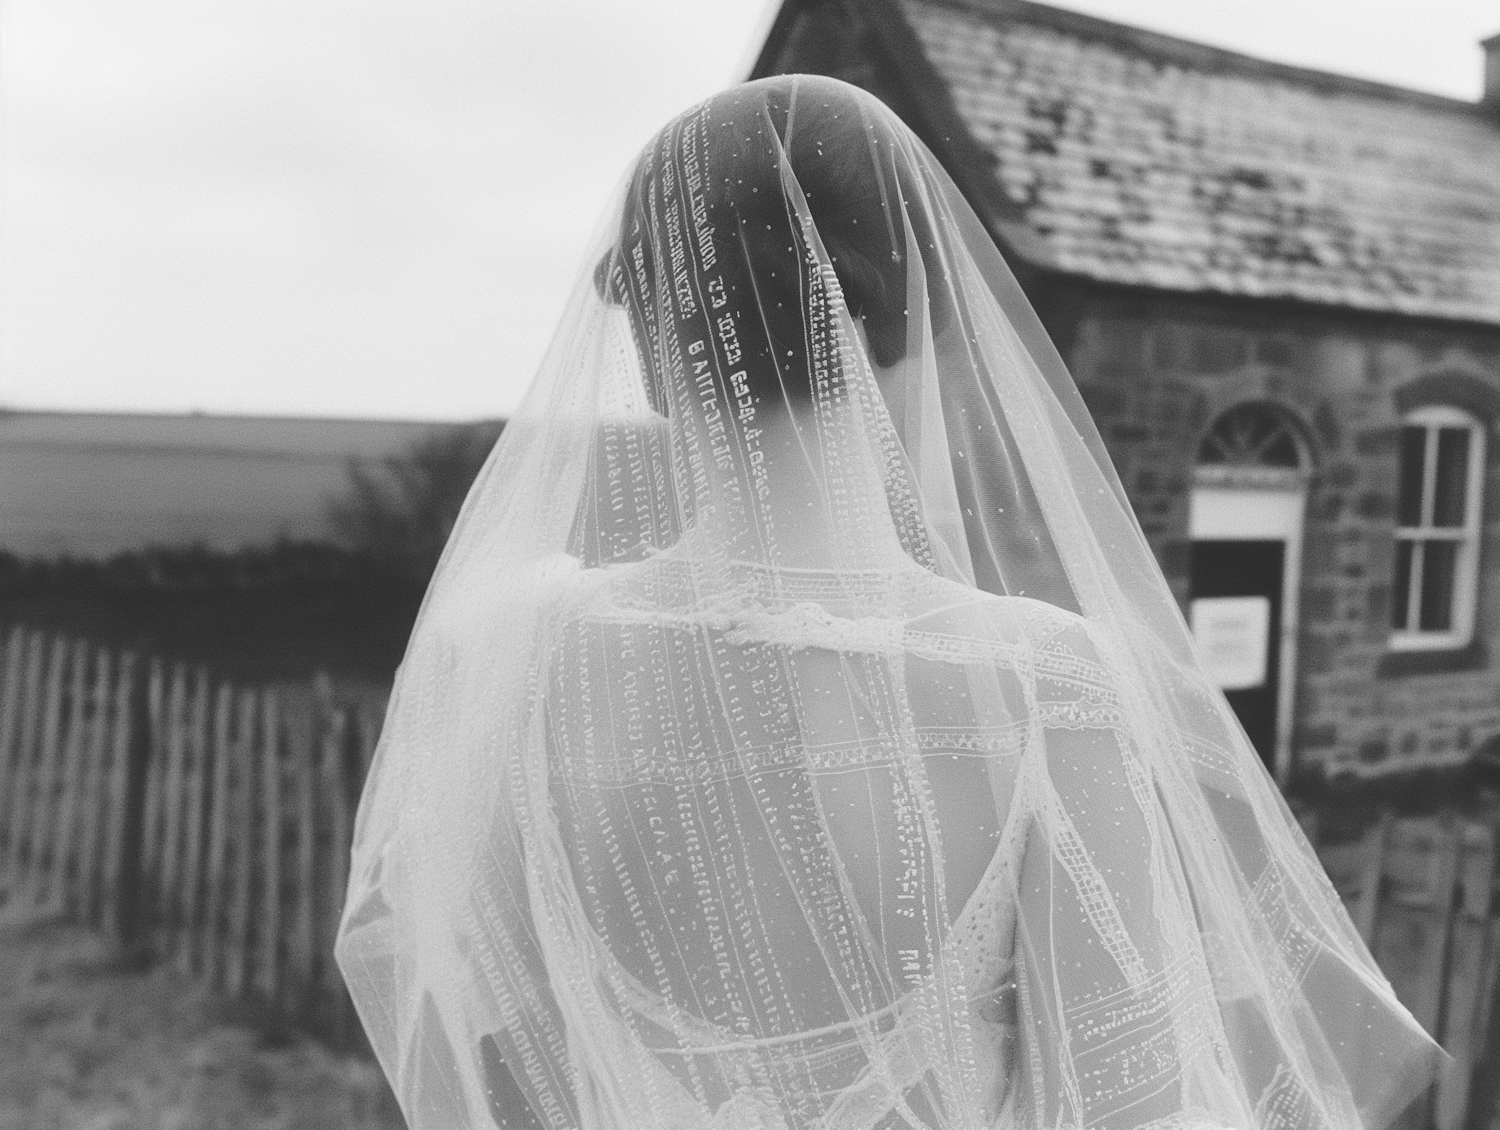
(851,168)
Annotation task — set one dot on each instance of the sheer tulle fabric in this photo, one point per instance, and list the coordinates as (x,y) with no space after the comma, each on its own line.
(798,731)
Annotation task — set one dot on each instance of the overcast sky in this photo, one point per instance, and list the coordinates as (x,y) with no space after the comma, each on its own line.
(375,207)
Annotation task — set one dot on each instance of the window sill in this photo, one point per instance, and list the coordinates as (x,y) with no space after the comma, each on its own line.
(1395,664)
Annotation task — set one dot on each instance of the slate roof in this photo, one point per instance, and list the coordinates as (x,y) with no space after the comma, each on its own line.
(1136,158)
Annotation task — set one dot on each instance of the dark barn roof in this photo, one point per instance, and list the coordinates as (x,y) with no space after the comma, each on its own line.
(1130,157)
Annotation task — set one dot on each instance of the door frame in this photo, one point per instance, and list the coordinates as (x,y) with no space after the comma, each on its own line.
(1269,510)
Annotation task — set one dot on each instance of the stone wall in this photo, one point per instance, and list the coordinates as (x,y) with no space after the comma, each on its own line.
(1156,371)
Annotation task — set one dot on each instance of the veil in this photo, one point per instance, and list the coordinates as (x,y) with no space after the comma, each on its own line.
(798,732)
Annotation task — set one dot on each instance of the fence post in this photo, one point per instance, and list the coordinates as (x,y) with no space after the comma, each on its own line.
(151,817)
(168,890)
(63,888)
(11,708)
(20,780)
(1484,1084)
(128,917)
(1415,924)
(1467,974)
(237,949)
(302,748)
(1367,909)
(339,747)
(211,945)
(269,928)
(96,810)
(41,789)
(113,837)
(371,721)
(196,779)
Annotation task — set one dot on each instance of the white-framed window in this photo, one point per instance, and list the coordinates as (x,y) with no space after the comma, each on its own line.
(1437,529)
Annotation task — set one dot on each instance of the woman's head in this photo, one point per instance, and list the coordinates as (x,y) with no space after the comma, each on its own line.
(734,213)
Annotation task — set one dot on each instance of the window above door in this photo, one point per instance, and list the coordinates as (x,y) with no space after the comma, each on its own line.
(1254,444)
(1438,508)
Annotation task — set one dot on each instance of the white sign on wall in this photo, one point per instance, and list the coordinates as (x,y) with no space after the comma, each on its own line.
(1233,634)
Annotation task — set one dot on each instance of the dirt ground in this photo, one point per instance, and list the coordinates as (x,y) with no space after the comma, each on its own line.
(91,1039)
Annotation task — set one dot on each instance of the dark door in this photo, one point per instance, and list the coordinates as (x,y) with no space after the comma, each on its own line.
(1246,569)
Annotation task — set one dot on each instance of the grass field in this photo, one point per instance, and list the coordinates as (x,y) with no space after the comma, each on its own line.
(93,484)
(92,1039)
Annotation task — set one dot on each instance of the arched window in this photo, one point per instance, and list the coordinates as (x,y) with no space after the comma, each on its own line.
(1251,435)
(1437,529)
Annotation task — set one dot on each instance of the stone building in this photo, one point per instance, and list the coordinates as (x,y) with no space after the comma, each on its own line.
(1279,291)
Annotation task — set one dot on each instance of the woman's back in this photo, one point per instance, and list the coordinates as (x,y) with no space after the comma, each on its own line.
(798,733)
(795,827)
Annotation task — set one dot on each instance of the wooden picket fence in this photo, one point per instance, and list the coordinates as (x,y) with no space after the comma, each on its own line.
(1422,893)
(206,821)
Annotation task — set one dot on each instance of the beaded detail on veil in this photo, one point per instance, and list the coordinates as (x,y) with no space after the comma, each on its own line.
(981,942)
(891,615)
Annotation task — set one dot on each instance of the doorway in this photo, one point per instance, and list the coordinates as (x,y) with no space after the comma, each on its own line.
(1245,522)
(1236,619)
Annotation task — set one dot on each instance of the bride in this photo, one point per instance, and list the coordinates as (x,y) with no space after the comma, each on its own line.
(798,732)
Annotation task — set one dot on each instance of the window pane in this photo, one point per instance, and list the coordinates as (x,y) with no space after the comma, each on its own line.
(1413,452)
(1281,451)
(1452,477)
(1439,563)
(1402,585)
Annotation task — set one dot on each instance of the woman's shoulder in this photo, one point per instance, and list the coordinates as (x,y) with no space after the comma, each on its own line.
(952,608)
(887,610)
(471,601)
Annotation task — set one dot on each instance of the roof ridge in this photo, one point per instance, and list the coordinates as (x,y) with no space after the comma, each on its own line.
(1203,56)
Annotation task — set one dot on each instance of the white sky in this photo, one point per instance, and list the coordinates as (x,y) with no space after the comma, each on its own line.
(376,207)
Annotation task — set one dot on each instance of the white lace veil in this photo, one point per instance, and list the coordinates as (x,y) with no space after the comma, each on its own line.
(798,731)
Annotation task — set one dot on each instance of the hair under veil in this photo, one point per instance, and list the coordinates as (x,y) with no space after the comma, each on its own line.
(798,731)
